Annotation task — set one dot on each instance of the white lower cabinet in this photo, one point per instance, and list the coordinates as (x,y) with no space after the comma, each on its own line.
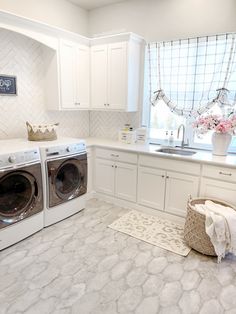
(116,179)
(160,183)
(179,187)
(225,191)
(151,187)
(125,181)
(105,176)
(219,182)
(166,190)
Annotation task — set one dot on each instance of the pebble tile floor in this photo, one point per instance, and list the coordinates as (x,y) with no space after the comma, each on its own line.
(80,266)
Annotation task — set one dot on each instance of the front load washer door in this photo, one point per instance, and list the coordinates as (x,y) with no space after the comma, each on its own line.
(19,196)
(67,179)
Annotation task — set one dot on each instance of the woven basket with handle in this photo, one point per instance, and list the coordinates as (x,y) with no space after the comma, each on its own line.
(194,230)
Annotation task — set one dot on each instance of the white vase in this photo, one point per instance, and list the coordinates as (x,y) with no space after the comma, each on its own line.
(220,143)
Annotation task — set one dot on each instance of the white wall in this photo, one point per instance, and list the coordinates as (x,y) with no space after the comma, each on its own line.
(23,57)
(165,19)
(59,13)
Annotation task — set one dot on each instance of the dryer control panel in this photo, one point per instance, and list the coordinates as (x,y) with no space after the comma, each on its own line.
(16,159)
(63,150)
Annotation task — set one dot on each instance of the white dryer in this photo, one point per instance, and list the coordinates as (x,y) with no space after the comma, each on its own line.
(21,194)
(65,178)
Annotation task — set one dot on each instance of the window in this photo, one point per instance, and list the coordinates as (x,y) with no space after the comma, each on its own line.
(187,78)
(162,120)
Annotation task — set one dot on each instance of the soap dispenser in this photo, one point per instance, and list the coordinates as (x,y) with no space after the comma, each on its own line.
(171,139)
(166,140)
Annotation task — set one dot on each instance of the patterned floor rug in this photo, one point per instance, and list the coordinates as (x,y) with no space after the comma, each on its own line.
(154,230)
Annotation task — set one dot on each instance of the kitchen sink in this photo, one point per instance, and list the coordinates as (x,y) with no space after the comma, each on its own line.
(176,151)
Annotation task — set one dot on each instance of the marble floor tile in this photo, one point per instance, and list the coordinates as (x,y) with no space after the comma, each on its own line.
(81,266)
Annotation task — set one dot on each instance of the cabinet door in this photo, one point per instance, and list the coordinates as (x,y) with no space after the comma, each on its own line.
(151,187)
(99,77)
(117,76)
(225,191)
(105,176)
(67,74)
(178,189)
(125,181)
(82,77)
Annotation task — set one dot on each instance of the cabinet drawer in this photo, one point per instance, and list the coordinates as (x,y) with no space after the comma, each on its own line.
(117,155)
(220,173)
(170,164)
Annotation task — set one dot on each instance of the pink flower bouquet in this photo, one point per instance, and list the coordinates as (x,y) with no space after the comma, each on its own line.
(216,123)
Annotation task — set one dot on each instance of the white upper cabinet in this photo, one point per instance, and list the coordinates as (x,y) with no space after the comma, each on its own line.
(115,75)
(116,65)
(117,78)
(108,76)
(99,76)
(67,74)
(82,76)
(74,75)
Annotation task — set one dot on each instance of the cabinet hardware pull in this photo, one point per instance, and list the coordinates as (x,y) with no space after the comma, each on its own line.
(115,166)
(167,177)
(225,173)
(105,104)
(77,103)
(113,155)
(163,176)
(112,166)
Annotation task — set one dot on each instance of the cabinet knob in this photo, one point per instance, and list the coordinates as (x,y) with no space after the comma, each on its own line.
(112,166)
(167,177)
(163,176)
(105,104)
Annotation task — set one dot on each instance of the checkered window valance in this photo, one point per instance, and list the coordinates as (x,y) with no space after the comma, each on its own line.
(192,75)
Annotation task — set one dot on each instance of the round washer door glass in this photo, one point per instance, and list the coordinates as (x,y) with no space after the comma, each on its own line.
(16,195)
(67,180)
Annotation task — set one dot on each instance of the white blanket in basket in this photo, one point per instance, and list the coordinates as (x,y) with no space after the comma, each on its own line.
(220,226)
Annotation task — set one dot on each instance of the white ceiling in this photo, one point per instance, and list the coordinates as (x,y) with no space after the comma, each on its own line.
(93,4)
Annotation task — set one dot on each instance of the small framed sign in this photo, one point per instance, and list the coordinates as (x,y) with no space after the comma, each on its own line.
(8,85)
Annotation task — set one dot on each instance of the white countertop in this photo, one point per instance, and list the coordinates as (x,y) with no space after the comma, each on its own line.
(201,156)
(8,146)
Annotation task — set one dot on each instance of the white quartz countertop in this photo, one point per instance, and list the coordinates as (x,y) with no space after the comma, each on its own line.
(201,156)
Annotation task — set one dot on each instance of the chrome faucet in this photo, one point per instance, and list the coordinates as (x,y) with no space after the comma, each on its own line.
(183,136)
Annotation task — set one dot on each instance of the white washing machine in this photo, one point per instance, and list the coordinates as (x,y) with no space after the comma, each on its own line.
(21,193)
(64,177)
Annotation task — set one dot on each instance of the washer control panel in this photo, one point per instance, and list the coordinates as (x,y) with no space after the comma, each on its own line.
(19,158)
(67,149)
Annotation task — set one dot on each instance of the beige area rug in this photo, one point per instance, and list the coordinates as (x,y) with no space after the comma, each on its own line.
(154,230)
